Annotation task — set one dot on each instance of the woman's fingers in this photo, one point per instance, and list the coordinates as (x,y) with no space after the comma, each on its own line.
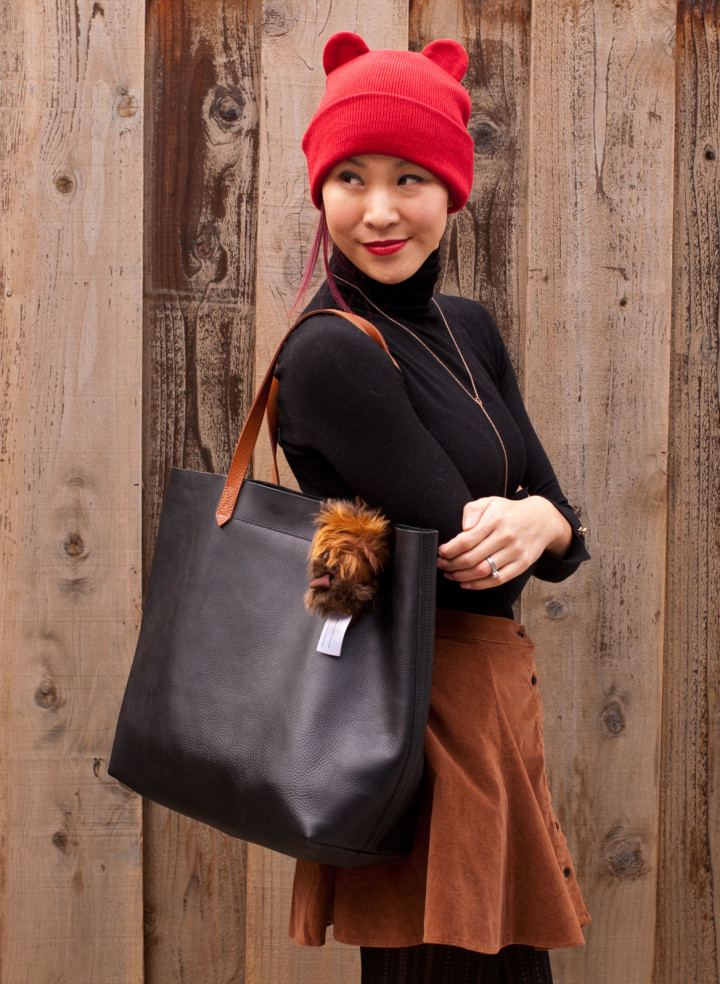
(482,568)
(480,517)
(474,511)
(464,543)
(476,554)
(505,573)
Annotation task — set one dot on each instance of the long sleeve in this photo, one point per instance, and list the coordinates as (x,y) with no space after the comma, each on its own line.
(341,397)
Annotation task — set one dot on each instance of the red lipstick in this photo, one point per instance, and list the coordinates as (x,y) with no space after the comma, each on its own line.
(385,246)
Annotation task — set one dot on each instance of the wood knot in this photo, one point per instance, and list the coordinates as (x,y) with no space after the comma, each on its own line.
(47,696)
(128,106)
(277,22)
(60,840)
(613,717)
(206,244)
(486,135)
(556,608)
(226,107)
(64,183)
(72,512)
(709,152)
(73,545)
(624,854)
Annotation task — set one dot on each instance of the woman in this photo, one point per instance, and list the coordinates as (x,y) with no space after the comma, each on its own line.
(489,885)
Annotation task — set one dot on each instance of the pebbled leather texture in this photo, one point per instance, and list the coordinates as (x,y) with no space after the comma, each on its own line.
(230,715)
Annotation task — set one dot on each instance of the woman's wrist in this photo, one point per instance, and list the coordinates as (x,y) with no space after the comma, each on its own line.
(559,530)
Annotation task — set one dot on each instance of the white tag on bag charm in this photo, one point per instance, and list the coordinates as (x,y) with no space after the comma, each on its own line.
(334,629)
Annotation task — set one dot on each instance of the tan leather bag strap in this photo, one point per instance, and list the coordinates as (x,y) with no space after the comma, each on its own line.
(266,401)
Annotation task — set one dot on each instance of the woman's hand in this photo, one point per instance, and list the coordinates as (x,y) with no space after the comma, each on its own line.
(514,532)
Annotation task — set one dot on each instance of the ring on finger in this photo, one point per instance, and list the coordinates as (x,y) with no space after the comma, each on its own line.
(493,566)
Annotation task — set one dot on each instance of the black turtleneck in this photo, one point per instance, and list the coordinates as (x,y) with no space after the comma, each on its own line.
(413,444)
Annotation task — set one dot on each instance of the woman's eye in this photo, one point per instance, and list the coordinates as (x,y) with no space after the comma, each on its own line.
(410,179)
(348,177)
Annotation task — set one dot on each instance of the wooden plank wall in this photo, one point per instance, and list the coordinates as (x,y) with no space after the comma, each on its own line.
(202,96)
(597,353)
(688,929)
(71,92)
(591,234)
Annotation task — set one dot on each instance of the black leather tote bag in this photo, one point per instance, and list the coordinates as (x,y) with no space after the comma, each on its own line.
(231,715)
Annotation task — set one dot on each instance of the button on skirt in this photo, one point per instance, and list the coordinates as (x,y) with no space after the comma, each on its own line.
(489,866)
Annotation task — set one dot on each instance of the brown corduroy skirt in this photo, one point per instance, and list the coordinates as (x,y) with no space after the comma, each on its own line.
(489,866)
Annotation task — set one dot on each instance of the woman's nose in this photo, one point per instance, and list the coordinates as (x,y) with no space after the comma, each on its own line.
(380,208)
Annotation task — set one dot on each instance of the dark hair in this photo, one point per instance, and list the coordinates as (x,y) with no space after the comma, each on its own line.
(322,238)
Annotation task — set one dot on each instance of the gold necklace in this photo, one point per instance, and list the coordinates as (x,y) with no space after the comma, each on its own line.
(474,396)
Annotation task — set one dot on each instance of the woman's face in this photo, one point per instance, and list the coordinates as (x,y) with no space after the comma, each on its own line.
(385,214)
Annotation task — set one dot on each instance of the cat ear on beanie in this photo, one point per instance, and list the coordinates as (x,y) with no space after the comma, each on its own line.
(449,55)
(341,48)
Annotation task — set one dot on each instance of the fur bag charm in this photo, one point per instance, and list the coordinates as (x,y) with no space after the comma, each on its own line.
(347,556)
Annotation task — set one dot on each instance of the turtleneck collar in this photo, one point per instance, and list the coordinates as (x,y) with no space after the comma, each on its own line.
(411,295)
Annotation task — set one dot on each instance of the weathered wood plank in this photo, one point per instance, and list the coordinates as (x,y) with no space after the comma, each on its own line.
(71,77)
(485,247)
(202,69)
(688,934)
(293,81)
(598,317)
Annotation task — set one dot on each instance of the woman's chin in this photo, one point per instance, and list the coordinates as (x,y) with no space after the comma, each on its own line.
(392,269)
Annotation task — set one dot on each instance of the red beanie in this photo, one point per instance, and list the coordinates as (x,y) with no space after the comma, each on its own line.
(400,103)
